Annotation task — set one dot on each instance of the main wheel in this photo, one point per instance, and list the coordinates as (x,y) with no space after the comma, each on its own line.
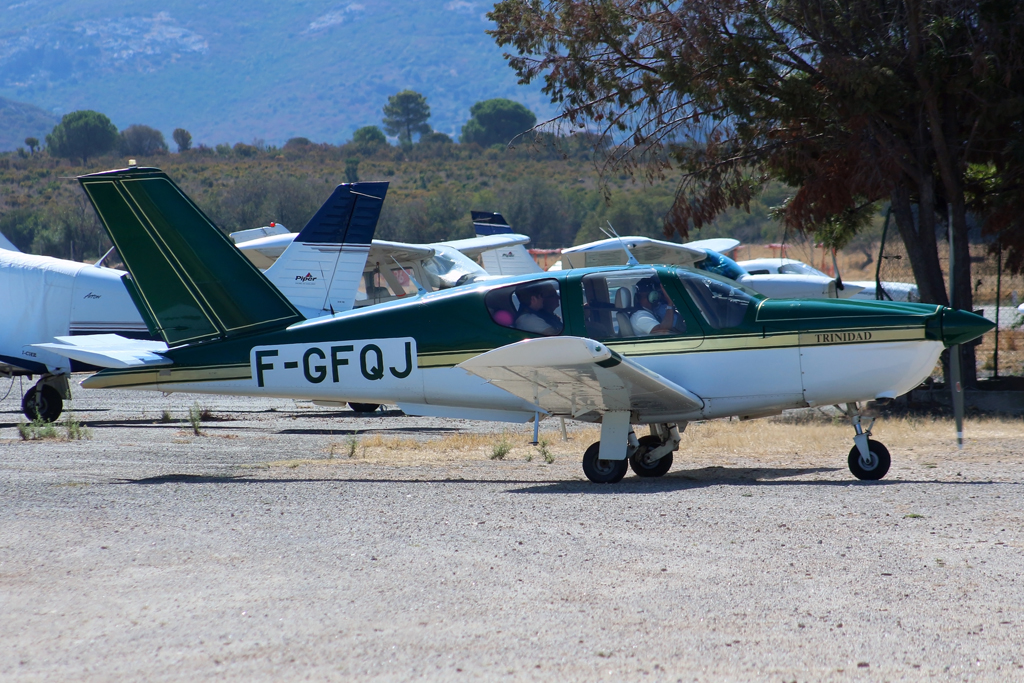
(42,402)
(877,465)
(654,469)
(602,471)
(364,407)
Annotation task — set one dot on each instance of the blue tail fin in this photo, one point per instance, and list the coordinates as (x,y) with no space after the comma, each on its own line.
(320,270)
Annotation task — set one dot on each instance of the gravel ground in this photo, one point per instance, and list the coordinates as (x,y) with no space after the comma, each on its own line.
(148,553)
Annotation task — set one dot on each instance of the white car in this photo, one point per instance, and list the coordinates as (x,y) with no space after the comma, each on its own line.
(704,255)
(865,289)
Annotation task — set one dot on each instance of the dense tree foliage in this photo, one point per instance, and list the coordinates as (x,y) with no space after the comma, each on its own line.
(497,122)
(183,139)
(850,102)
(369,135)
(82,134)
(406,114)
(140,140)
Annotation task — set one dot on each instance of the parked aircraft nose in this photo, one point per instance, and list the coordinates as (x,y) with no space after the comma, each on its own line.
(959,327)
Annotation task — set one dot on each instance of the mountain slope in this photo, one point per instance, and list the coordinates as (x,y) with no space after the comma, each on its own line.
(237,71)
(19,121)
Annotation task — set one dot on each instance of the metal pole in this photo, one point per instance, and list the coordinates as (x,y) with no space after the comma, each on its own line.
(536,428)
(999,283)
(954,351)
(881,253)
(565,435)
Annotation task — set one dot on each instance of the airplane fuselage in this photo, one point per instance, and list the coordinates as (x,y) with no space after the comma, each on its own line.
(783,354)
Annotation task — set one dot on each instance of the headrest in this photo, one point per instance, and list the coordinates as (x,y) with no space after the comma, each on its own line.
(623,298)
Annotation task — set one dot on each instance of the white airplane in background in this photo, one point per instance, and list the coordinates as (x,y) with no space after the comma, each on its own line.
(391,266)
(893,291)
(50,297)
(703,255)
(511,260)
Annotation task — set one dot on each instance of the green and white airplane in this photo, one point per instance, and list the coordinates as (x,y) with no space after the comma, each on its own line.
(567,344)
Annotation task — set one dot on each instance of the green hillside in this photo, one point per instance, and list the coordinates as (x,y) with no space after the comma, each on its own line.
(19,121)
(556,200)
(258,70)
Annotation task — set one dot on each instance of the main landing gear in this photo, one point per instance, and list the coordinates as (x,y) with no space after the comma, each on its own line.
(45,401)
(648,456)
(869,459)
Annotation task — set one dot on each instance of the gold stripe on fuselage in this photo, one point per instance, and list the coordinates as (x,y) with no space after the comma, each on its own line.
(157,375)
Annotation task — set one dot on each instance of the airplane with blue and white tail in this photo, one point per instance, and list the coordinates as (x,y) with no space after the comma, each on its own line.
(687,344)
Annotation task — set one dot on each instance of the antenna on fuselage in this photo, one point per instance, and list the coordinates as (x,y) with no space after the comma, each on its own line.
(630,260)
(419,289)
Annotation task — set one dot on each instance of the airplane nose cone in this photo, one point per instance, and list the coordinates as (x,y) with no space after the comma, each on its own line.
(959,327)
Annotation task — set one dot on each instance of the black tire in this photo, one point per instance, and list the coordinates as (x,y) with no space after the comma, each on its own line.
(655,469)
(880,462)
(43,402)
(602,471)
(364,407)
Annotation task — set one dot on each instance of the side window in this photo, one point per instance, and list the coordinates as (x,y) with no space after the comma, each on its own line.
(722,304)
(628,304)
(534,307)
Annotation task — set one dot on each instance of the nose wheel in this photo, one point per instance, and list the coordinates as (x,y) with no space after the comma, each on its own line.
(872,468)
(869,460)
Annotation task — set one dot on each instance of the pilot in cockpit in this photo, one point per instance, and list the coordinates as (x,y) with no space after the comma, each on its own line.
(655,313)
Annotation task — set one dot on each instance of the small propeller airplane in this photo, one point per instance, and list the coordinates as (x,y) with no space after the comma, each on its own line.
(510,349)
(707,255)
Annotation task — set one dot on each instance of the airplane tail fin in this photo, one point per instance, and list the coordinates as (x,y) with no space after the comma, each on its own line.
(512,260)
(489,223)
(7,244)
(188,276)
(321,269)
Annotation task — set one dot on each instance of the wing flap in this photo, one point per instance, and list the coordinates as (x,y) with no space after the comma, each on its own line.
(575,376)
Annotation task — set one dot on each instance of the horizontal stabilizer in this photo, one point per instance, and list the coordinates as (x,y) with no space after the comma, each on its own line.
(109,351)
(580,378)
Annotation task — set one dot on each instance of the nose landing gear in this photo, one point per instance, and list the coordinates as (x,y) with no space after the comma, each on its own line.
(869,460)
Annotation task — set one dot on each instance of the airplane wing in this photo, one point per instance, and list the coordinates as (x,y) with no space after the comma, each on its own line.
(646,250)
(109,350)
(386,253)
(240,236)
(719,244)
(580,378)
(474,246)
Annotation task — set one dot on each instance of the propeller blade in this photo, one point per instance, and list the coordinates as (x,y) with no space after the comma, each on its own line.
(958,394)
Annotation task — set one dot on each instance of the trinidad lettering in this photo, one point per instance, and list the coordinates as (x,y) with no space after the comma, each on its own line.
(840,337)
(308,277)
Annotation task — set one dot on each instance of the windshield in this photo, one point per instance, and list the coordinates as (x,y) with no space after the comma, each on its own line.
(451,267)
(798,268)
(720,265)
(723,304)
